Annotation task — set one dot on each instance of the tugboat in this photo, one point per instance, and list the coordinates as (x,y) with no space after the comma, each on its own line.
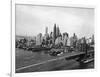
(89,57)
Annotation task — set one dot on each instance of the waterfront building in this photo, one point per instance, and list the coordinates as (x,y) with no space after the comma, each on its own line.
(58,40)
(74,37)
(68,42)
(46,36)
(65,38)
(73,40)
(51,35)
(78,45)
(92,40)
(39,39)
(51,38)
(87,40)
(83,45)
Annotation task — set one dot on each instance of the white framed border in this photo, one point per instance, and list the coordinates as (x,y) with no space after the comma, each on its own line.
(31,2)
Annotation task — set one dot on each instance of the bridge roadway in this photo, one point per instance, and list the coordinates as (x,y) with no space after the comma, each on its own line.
(52,62)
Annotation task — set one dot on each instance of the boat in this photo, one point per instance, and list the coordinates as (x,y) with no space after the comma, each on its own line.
(87,60)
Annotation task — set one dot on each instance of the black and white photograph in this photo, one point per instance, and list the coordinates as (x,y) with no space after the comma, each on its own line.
(53,38)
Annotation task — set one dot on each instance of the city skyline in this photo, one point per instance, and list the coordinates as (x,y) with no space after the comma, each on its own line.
(32,20)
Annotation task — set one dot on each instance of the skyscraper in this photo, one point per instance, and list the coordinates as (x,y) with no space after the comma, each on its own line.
(39,39)
(54,33)
(65,38)
(46,36)
(57,31)
(46,30)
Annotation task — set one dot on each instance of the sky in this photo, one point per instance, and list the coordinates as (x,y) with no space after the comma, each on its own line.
(32,20)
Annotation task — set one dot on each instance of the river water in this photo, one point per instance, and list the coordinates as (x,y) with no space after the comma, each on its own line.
(75,66)
(27,58)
